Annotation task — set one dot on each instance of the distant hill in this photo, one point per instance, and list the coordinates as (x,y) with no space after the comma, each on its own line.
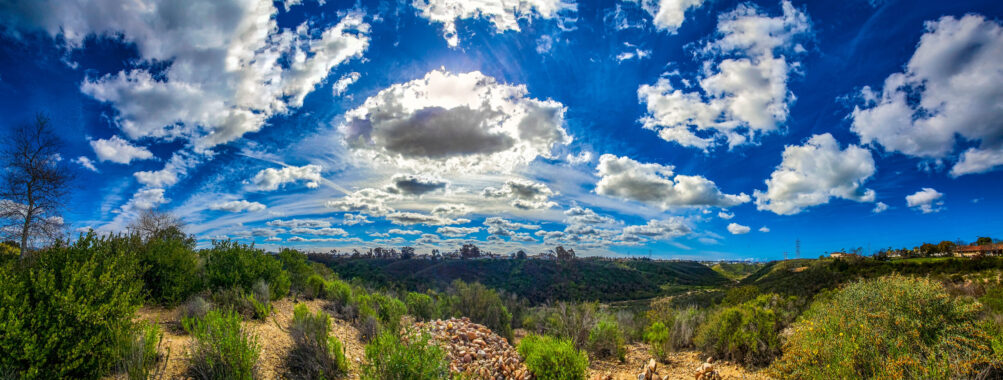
(535,280)
(736,271)
(806,277)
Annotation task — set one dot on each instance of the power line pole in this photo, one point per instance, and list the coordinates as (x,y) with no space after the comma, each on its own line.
(797,248)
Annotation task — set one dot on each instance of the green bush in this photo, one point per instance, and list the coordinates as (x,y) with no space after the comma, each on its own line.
(414,357)
(890,327)
(481,305)
(65,311)
(296,264)
(316,287)
(657,335)
(171,266)
(221,348)
(993,299)
(195,308)
(235,300)
(550,358)
(749,332)
(606,340)
(140,353)
(316,354)
(421,306)
(339,292)
(389,310)
(230,264)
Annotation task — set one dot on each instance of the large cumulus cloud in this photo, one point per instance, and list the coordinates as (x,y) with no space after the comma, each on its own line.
(503,14)
(950,88)
(658,185)
(451,122)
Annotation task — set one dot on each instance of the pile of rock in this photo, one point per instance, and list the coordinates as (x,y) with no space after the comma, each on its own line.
(706,371)
(474,350)
(650,371)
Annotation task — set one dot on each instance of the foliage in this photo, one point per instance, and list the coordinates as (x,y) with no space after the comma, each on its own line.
(481,305)
(315,287)
(221,348)
(748,332)
(169,264)
(413,357)
(339,292)
(317,354)
(389,310)
(195,308)
(657,335)
(739,294)
(606,340)
(235,300)
(891,327)
(295,263)
(230,264)
(736,271)
(550,358)
(140,352)
(421,306)
(64,311)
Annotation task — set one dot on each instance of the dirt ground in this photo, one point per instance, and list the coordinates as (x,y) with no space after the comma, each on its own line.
(273,336)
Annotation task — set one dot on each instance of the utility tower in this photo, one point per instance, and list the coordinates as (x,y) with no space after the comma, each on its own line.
(797,248)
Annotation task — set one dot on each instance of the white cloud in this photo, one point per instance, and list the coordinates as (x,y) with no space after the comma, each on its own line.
(353,219)
(725,215)
(147,198)
(237,206)
(926,200)
(950,88)
(457,231)
(370,201)
(175,168)
(410,218)
(738,229)
(326,231)
(668,15)
(582,157)
(580,215)
(451,209)
(231,66)
(525,194)
(503,14)
(117,150)
(879,207)
(658,229)
(86,163)
(270,179)
(408,184)
(764,229)
(632,52)
(398,231)
(300,223)
(657,185)
(743,96)
(446,122)
(811,174)
(339,87)
(503,227)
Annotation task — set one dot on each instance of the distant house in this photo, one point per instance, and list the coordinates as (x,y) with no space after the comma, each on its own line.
(979,250)
(837,255)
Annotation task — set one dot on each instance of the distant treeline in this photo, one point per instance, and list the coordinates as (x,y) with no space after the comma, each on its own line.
(536,280)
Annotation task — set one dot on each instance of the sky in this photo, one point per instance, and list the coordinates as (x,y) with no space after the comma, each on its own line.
(690,129)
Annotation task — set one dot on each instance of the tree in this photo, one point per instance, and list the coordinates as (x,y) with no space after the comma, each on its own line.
(469,251)
(984,240)
(564,254)
(35,183)
(520,255)
(157,224)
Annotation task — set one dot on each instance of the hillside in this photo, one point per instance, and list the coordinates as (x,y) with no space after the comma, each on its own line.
(535,280)
(736,271)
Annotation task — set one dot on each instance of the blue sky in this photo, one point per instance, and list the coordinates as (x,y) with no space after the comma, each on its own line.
(687,129)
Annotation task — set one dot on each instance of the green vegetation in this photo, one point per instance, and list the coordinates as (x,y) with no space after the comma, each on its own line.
(317,354)
(749,332)
(229,264)
(170,262)
(606,340)
(481,305)
(736,271)
(892,327)
(412,357)
(140,353)
(550,358)
(584,279)
(421,306)
(65,310)
(221,348)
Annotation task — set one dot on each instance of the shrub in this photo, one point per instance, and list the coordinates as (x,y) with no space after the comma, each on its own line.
(234,299)
(993,299)
(339,292)
(261,300)
(414,357)
(552,358)
(606,341)
(315,287)
(746,333)
(221,348)
(739,295)
(890,327)
(573,321)
(316,354)
(230,264)
(390,310)
(657,336)
(195,308)
(421,306)
(296,264)
(170,263)
(65,311)
(481,305)
(631,323)
(140,353)
(685,325)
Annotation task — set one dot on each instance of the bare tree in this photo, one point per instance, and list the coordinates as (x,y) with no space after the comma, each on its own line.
(154,223)
(34,184)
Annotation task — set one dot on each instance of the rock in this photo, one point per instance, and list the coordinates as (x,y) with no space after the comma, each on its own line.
(474,351)
(706,371)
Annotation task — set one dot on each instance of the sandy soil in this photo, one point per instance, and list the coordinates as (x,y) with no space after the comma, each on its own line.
(273,335)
